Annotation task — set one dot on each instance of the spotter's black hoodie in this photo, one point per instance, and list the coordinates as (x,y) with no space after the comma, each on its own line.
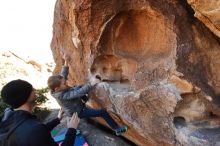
(21,128)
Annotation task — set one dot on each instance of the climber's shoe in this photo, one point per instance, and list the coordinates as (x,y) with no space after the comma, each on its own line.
(121,130)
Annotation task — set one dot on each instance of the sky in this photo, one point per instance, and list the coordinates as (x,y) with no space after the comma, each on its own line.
(26,27)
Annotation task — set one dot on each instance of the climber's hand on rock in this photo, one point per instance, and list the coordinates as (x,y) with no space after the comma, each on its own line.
(94,81)
(66,59)
(62,53)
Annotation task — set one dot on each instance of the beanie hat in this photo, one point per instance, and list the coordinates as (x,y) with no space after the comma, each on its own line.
(16,92)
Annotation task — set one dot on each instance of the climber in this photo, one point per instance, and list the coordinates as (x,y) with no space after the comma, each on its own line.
(73,99)
(18,127)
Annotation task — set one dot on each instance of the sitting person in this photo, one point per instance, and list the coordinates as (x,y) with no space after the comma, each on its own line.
(18,127)
(71,98)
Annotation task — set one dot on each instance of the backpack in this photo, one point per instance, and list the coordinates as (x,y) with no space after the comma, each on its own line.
(4,138)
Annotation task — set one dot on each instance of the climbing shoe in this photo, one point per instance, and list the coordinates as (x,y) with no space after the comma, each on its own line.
(121,130)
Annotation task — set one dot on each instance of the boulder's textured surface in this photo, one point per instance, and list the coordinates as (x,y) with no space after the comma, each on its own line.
(158,63)
(208,12)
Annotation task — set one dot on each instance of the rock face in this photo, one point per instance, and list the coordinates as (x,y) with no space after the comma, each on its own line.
(208,12)
(158,63)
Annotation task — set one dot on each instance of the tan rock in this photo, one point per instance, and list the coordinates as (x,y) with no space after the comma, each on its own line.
(211,56)
(182,85)
(196,107)
(208,12)
(138,48)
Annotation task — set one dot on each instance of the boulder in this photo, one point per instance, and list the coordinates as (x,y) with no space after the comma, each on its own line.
(158,64)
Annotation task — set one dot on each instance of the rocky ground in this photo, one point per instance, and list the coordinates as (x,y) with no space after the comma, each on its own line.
(94,133)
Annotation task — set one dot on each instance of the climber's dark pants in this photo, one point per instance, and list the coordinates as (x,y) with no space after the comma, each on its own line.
(89,113)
